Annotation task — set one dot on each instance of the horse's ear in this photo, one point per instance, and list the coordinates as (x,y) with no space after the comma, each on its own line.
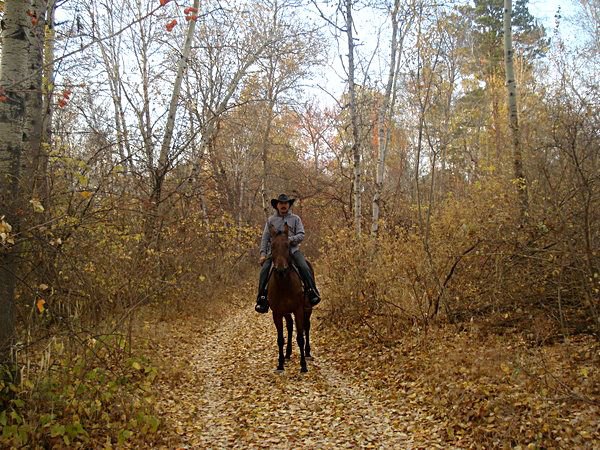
(286,229)
(272,230)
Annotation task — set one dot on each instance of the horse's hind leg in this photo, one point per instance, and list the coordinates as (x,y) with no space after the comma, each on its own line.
(278,319)
(289,323)
(307,333)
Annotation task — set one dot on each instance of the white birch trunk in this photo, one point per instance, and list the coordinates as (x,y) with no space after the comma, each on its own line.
(266,204)
(163,160)
(165,149)
(513,113)
(356,150)
(13,71)
(111,62)
(384,118)
(32,133)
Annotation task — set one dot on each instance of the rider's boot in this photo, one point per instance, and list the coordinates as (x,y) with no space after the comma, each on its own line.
(262,305)
(313,296)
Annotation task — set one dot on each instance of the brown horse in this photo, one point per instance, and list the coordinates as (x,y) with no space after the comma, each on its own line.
(286,297)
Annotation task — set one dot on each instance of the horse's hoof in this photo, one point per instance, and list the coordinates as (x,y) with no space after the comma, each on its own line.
(309,357)
(278,370)
(303,370)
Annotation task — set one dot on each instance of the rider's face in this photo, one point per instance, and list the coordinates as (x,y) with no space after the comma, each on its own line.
(283,207)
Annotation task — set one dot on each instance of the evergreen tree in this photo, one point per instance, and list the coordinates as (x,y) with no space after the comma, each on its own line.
(529,36)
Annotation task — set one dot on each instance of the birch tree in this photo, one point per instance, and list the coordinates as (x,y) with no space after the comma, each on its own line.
(137,90)
(164,159)
(354,123)
(218,70)
(32,134)
(13,70)
(513,113)
(386,109)
(111,52)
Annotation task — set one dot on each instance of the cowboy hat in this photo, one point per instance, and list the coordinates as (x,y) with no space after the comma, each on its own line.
(283,199)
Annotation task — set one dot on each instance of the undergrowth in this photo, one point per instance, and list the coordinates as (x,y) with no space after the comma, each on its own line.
(98,395)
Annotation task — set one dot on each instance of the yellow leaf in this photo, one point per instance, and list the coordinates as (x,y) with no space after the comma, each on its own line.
(43,287)
(136,365)
(83,180)
(86,194)
(36,204)
(40,305)
(5,227)
(201,278)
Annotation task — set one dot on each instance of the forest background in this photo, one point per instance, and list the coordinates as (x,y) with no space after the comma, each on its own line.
(140,146)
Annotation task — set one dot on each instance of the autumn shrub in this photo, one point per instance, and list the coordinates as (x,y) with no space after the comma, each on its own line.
(102,267)
(368,279)
(84,397)
(89,273)
(472,259)
(204,258)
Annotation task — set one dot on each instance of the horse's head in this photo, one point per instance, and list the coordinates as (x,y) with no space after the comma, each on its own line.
(280,250)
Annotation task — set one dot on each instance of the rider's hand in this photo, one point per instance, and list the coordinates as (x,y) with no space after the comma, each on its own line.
(262,259)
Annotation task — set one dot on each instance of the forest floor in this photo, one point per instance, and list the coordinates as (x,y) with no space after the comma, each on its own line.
(217,388)
(221,390)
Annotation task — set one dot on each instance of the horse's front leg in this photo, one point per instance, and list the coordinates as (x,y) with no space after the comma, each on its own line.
(290,327)
(307,315)
(278,319)
(299,316)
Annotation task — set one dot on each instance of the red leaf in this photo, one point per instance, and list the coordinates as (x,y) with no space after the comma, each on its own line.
(171,25)
(3,98)
(190,9)
(164,2)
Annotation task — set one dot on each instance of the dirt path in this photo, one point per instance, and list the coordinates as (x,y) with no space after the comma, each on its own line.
(225,393)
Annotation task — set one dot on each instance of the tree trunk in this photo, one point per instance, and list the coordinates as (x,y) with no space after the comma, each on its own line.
(385,116)
(266,205)
(113,70)
(32,131)
(47,92)
(165,149)
(513,115)
(356,150)
(13,70)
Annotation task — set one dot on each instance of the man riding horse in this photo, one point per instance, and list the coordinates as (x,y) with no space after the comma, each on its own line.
(282,216)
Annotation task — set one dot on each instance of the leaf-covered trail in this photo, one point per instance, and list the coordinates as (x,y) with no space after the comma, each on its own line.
(225,393)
